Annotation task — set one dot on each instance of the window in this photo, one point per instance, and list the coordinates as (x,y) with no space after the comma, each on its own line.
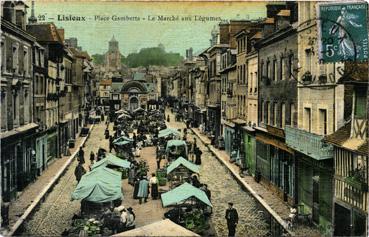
(275,114)
(3,53)
(37,85)
(292,115)
(261,70)
(290,65)
(4,113)
(282,71)
(255,82)
(267,108)
(323,121)
(15,58)
(26,61)
(283,115)
(15,106)
(267,69)
(262,112)
(275,70)
(307,119)
(360,104)
(244,73)
(251,78)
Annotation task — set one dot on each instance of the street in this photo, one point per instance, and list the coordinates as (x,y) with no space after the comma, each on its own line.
(56,213)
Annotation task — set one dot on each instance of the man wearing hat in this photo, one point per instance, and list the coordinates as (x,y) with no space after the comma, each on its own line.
(232,219)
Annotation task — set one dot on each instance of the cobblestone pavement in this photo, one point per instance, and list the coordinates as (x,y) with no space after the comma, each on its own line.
(56,213)
(25,199)
(224,189)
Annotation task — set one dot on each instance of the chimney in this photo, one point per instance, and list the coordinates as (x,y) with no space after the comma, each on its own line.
(190,53)
(61,33)
(224,33)
(32,19)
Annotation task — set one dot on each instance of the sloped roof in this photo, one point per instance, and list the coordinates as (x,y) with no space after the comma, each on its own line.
(269,20)
(183,162)
(111,159)
(342,138)
(45,32)
(99,185)
(284,12)
(160,228)
(182,193)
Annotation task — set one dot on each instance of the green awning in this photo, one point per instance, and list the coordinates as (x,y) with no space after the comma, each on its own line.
(183,192)
(99,185)
(121,139)
(168,131)
(182,161)
(122,143)
(175,143)
(111,159)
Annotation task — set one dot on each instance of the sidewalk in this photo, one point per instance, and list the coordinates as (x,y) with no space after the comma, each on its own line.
(35,192)
(270,201)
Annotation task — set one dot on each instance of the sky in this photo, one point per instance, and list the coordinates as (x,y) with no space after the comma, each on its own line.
(176,36)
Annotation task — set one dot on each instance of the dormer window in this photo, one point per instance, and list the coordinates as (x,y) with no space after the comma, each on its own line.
(8,10)
(360,104)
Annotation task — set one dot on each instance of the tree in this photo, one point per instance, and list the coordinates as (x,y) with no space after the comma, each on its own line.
(98,59)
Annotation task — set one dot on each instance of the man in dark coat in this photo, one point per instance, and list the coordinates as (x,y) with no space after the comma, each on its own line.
(111,139)
(79,172)
(198,154)
(232,219)
(81,156)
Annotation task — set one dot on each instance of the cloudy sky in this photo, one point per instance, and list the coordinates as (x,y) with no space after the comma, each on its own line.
(93,34)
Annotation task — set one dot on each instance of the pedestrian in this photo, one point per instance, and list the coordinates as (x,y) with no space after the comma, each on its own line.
(81,156)
(154,186)
(134,141)
(131,217)
(5,213)
(79,172)
(158,160)
(195,181)
(143,189)
(123,219)
(131,174)
(111,139)
(198,154)
(136,188)
(232,219)
(207,191)
(106,133)
(92,157)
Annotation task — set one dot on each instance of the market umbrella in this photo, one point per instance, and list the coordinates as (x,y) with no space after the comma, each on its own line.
(122,111)
(182,193)
(124,116)
(138,110)
(113,160)
(122,143)
(99,185)
(180,161)
(122,138)
(168,131)
(176,143)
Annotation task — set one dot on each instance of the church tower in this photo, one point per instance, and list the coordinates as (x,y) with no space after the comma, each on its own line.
(113,56)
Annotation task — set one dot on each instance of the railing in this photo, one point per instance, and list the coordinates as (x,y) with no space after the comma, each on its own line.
(308,143)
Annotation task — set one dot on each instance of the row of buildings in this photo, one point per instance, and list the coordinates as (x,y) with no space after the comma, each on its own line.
(295,123)
(47,83)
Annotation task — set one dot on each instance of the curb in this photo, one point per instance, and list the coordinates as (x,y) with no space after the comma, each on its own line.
(38,200)
(282,222)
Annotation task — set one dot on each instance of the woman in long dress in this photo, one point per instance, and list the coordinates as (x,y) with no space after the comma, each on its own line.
(154,186)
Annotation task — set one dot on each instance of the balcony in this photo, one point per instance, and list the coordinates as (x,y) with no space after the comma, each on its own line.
(308,143)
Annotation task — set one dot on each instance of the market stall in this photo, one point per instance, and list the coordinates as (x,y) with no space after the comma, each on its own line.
(191,207)
(180,171)
(164,227)
(175,149)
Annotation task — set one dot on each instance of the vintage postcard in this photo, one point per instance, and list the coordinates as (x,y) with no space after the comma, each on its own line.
(184,118)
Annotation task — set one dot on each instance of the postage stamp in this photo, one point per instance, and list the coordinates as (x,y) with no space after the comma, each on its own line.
(342,31)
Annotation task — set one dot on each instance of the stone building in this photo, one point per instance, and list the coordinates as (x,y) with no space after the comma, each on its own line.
(134,93)
(248,138)
(228,103)
(113,56)
(351,161)
(275,161)
(321,110)
(104,92)
(18,130)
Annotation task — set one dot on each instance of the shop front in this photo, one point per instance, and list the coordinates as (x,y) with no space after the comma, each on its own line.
(249,143)
(275,163)
(229,135)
